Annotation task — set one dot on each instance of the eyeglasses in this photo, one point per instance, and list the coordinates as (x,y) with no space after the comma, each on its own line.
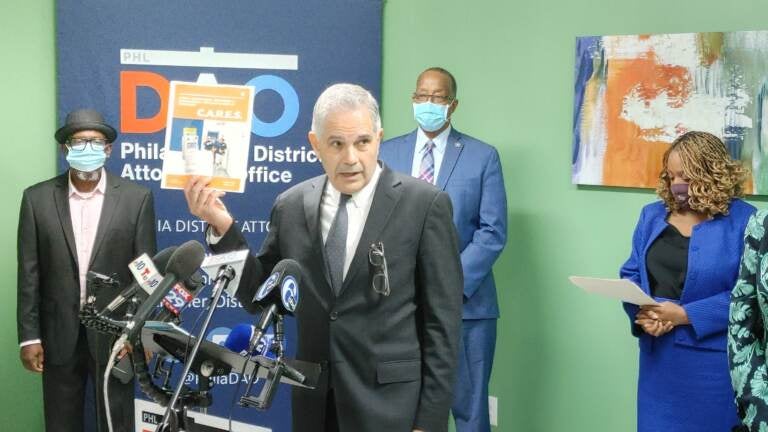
(78,144)
(439,99)
(380,276)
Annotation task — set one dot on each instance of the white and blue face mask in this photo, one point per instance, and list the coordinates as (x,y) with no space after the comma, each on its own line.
(430,116)
(87,159)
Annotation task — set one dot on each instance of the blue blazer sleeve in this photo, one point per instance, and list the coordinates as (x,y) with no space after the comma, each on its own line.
(631,269)
(709,315)
(489,239)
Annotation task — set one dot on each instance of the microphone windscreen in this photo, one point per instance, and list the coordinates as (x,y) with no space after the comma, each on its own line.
(269,291)
(185,260)
(161,258)
(195,282)
(288,267)
(239,338)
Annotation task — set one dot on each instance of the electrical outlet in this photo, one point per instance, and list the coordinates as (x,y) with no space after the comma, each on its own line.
(493,410)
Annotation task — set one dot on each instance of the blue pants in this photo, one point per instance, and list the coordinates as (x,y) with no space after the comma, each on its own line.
(476,349)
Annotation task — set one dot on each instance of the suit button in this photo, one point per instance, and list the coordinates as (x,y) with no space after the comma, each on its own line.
(334,315)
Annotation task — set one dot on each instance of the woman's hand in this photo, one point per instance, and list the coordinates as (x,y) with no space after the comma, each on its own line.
(652,326)
(667,312)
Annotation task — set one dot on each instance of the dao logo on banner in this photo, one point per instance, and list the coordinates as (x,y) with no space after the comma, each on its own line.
(132,81)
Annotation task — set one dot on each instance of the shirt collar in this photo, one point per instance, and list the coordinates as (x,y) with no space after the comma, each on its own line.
(101,186)
(440,141)
(359,198)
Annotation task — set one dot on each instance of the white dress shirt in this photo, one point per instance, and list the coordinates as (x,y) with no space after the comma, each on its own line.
(358,206)
(440,141)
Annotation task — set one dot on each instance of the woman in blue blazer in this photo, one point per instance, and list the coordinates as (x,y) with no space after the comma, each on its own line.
(685,253)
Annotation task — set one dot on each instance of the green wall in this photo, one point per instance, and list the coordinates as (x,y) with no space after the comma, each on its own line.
(27,117)
(565,361)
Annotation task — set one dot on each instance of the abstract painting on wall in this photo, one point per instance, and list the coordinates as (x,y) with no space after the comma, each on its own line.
(635,94)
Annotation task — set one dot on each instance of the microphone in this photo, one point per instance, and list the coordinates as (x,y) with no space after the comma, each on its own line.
(180,296)
(286,275)
(240,337)
(278,296)
(161,260)
(182,263)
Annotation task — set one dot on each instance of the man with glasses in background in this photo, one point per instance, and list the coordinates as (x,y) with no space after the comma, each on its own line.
(82,220)
(381,293)
(470,172)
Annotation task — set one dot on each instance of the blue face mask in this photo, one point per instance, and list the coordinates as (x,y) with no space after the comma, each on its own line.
(86,160)
(430,116)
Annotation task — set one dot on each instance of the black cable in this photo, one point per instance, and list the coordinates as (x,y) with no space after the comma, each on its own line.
(140,369)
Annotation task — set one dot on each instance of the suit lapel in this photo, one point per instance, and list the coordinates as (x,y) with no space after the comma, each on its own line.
(108,209)
(453,149)
(61,198)
(312,214)
(384,201)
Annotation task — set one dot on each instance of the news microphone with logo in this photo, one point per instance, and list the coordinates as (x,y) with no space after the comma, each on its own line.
(161,261)
(278,295)
(146,276)
(180,296)
(182,263)
(281,288)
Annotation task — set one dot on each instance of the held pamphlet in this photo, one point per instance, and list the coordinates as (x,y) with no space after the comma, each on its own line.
(208,133)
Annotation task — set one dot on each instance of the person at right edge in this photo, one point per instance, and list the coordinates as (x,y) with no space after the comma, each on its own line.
(747,329)
(685,253)
(469,170)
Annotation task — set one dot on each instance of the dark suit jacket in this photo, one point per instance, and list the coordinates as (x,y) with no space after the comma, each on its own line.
(48,283)
(390,360)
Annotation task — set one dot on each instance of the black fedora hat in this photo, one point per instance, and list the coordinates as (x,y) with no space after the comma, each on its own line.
(84,119)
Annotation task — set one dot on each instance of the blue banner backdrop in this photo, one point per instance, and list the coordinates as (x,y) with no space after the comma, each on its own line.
(119,57)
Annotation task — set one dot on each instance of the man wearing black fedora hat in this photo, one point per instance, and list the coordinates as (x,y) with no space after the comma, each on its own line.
(82,220)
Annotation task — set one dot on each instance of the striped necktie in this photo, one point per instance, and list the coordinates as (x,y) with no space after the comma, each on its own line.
(427,170)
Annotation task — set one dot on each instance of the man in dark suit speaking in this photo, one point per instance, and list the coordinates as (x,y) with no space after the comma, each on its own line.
(381,306)
(84,219)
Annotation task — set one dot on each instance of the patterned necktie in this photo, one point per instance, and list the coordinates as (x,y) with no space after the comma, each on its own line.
(336,244)
(427,170)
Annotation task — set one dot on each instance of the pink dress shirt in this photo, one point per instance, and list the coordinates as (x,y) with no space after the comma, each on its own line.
(85,210)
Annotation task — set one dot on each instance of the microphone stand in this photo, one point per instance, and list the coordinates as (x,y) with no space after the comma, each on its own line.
(276,370)
(225,274)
